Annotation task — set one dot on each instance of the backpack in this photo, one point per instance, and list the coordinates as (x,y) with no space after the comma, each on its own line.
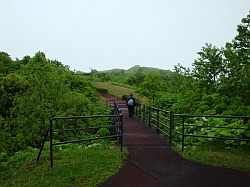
(130,102)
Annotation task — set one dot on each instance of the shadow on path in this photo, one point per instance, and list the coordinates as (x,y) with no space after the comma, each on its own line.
(151,162)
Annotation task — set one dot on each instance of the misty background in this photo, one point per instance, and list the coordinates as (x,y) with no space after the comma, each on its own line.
(112,34)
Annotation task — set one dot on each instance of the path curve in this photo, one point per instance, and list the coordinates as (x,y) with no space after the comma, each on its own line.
(152,163)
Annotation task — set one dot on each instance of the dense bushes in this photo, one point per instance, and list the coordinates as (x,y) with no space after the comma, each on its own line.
(35,89)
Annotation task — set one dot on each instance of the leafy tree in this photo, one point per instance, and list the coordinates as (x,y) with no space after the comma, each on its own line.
(136,78)
(151,86)
(235,80)
(208,67)
(181,79)
(11,86)
(36,90)
(5,61)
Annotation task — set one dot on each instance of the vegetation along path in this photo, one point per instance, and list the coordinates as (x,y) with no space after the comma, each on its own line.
(151,162)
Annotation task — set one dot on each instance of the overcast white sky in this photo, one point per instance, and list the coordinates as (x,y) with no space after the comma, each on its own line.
(108,34)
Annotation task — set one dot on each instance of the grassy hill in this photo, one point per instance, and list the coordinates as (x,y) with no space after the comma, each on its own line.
(131,77)
(134,69)
(117,91)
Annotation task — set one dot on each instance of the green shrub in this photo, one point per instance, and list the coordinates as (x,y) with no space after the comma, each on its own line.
(103,132)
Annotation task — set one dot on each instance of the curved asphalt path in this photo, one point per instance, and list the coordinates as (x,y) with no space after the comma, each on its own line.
(152,163)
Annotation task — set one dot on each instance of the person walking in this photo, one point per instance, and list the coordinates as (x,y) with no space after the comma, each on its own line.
(131,102)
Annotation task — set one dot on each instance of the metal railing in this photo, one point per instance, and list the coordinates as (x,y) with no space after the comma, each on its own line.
(158,119)
(184,127)
(117,124)
(166,123)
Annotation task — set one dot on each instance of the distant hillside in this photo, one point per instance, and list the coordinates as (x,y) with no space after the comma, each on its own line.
(112,71)
(134,69)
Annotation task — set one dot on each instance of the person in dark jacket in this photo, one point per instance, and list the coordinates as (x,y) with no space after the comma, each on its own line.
(131,102)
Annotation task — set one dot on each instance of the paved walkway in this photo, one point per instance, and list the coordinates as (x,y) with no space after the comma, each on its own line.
(151,162)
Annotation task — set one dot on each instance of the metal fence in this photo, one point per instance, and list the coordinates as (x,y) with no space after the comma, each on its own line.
(116,117)
(173,125)
(158,119)
(186,125)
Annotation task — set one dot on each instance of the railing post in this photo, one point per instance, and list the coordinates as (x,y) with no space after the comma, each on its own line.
(183,135)
(245,120)
(121,135)
(149,115)
(170,127)
(144,113)
(51,145)
(139,112)
(158,123)
(42,145)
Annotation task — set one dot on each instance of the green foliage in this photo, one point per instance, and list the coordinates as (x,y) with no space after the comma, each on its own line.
(130,78)
(18,159)
(11,86)
(86,165)
(33,91)
(212,127)
(21,157)
(115,90)
(186,102)
(3,161)
(103,132)
(208,67)
(136,78)
(151,86)
(101,90)
(5,61)
(236,64)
